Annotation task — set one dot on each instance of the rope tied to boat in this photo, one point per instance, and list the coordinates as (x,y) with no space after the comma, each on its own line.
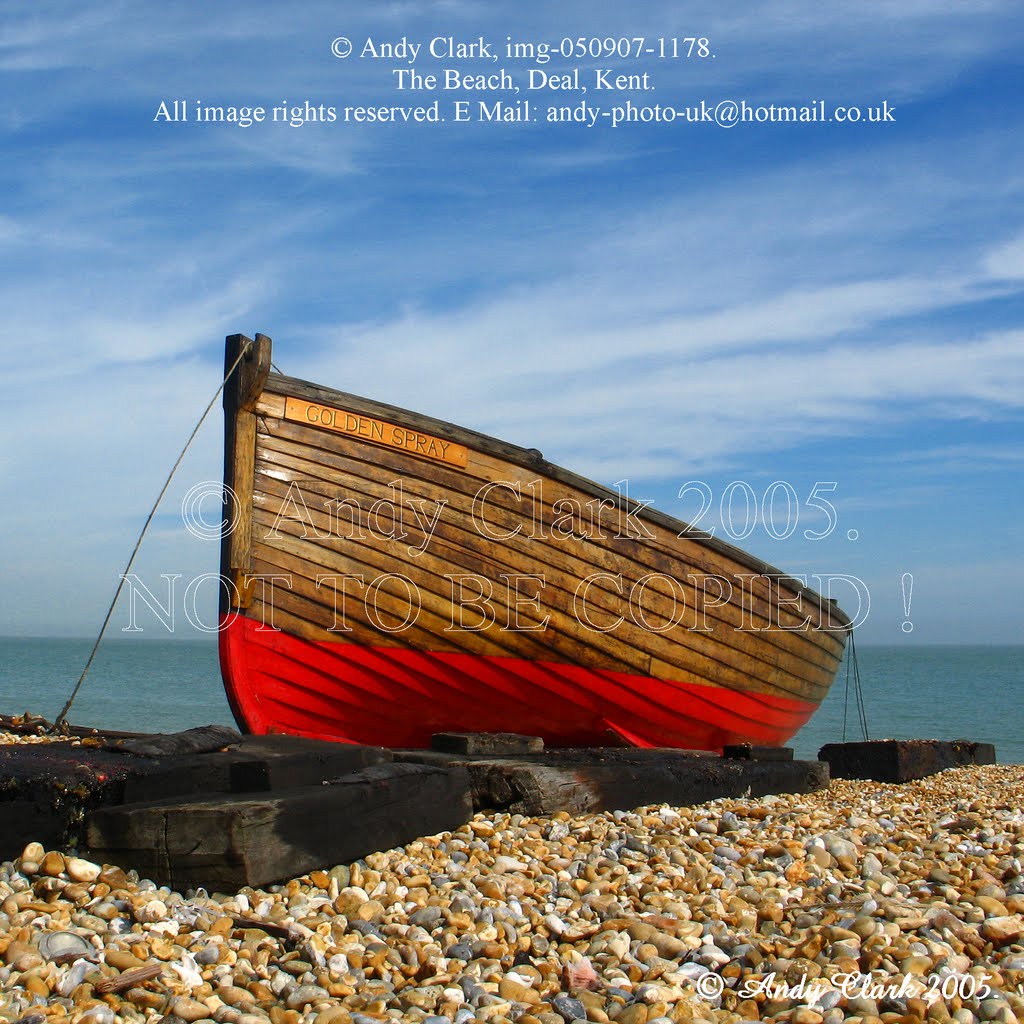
(853,672)
(61,720)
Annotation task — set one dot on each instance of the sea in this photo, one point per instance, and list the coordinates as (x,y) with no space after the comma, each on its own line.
(931,692)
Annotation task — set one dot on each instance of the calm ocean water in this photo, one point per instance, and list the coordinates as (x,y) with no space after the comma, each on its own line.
(941,692)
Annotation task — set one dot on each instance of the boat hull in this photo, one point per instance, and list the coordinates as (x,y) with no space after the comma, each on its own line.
(277,682)
(388,576)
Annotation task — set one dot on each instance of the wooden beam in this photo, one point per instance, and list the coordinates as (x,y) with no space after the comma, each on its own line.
(224,843)
(242,390)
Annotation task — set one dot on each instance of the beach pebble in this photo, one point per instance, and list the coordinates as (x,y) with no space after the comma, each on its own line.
(80,870)
(1002,930)
(52,864)
(306,995)
(568,1008)
(98,1014)
(31,857)
(54,944)
(22,956)
(151,911)
(189,1010)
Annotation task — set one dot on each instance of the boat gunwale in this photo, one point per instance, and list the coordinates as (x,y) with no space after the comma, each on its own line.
(532,459)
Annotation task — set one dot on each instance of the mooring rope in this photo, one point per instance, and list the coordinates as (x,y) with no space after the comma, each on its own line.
(62,717)
(853,670)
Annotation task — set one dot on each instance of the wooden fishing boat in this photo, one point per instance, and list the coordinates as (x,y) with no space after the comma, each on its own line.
(387,576)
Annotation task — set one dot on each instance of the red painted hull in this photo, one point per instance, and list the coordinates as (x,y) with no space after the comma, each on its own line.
(277,682)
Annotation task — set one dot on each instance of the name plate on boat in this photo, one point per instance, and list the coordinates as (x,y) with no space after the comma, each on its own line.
(367,428)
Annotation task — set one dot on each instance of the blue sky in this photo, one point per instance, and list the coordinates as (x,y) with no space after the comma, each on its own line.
(662,303)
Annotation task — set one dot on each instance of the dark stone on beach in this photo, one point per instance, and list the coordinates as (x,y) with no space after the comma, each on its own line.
(569,1009)
(427,917)
(902,760)
(365,928)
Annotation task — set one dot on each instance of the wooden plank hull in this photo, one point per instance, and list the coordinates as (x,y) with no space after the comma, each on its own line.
(388,576)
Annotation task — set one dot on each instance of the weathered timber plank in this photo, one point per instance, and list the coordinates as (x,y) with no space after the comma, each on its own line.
(558,640)
(311,464)
(46,788)
(727,659)
(242,389)
(785,658)
(751,752)
(201,740)
(486,743)
(530,788)
(320,472)
(902,760)
(225,843)
(34,820)
(562,757)
(559,598)
(580,780)
(253,764)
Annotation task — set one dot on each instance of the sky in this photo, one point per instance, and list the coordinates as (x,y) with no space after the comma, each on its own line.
(819,313)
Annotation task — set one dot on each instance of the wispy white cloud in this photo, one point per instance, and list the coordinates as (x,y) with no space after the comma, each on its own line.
(615,416)
(974,454)
(159,318)
(1006,262)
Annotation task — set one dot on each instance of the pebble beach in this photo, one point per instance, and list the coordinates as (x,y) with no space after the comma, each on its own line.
(864,902)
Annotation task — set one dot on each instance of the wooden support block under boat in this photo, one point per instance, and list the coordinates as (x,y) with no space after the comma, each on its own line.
(225,842)
(902,760)
(252,764)
(580,781)
(46,788)
(486,743)
(749,752)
